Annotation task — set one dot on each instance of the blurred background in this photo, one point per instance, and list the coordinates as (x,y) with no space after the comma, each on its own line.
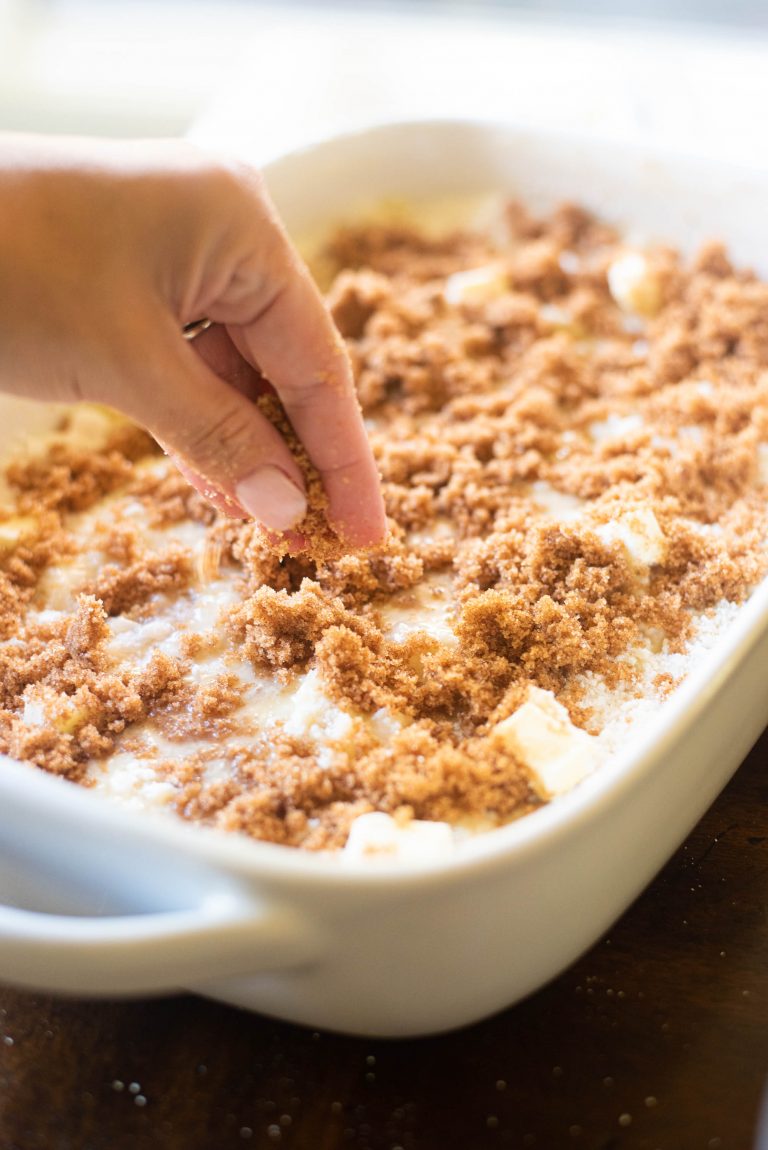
(265,76)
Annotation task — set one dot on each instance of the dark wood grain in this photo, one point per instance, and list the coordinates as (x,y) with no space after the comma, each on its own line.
(656,1040)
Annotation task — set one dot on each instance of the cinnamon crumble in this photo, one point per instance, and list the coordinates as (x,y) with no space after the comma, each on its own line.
(573,444)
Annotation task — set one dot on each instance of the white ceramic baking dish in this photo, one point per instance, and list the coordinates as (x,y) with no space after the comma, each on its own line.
(100,901)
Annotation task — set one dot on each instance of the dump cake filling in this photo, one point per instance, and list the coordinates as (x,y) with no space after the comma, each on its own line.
(573,443)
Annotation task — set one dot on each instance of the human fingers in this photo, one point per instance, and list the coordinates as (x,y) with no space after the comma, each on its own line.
(216,349)
(300,352)
(219,438)
(280,324)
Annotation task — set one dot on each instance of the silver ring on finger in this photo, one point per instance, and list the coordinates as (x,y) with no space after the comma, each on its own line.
(197,327)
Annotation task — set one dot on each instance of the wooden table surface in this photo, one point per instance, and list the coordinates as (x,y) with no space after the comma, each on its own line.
(656,1040)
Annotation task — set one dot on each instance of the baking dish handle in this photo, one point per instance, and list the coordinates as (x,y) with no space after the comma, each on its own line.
(229,933)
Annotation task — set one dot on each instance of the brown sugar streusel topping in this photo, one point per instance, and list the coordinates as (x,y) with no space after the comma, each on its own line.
(531,400)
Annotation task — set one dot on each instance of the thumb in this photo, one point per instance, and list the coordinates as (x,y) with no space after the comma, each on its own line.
(220,440)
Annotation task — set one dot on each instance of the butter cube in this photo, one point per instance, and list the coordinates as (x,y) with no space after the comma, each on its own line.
(638,531)
(44,707)
(477,285)
(15,530)
(314,715)
(377,835)
(634,285)
(541,735)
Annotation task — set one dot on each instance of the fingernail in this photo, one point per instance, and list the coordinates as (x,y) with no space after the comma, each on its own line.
(272,498)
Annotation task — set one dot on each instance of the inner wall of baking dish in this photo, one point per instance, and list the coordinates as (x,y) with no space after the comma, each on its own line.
(649,194)
(674,198)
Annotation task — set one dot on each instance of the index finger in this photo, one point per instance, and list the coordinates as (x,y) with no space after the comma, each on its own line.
(295,343)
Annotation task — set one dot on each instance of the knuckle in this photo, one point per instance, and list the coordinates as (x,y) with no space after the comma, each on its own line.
(331,386)
(301,393)
(232,181)
(247,175)
(220,439)
(345,465)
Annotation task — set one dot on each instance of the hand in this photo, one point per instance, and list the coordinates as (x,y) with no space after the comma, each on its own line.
(108,249)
